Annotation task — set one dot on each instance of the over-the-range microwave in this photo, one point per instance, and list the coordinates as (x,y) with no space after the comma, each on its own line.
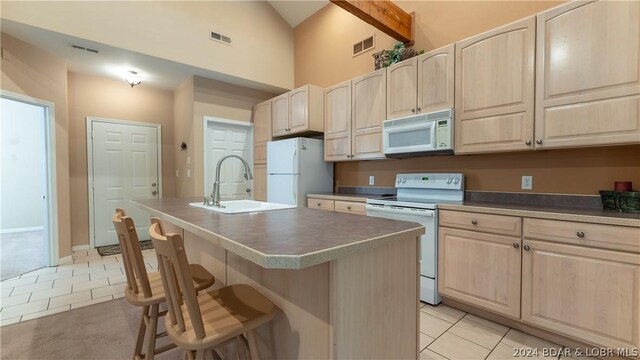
(424,134)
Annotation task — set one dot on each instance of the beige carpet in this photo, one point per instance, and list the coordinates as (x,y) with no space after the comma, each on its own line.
(101,331)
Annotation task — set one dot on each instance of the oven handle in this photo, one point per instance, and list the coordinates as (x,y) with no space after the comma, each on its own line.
(425,213)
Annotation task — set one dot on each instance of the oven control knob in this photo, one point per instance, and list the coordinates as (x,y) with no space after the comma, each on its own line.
(398,180)
(404,180)
(449,180)
(456,180)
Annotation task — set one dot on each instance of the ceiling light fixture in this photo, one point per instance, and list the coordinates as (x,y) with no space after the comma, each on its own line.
(132,78)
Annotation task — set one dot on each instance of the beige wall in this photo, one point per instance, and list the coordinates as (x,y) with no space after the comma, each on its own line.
(210,98)
(323,42)
(262,49)
(30,71)
(183,131)
(93,96)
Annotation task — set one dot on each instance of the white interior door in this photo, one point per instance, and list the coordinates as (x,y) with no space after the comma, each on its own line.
(228,139)
(124,168)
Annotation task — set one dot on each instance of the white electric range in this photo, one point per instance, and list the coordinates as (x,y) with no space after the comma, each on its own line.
(417,199)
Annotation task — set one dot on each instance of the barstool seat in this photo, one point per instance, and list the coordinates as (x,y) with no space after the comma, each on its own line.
(202,279)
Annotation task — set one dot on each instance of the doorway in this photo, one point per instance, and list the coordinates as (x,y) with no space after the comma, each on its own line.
(124,164)
(228,137)
(28,224)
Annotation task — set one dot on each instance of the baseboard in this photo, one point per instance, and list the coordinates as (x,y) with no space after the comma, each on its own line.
(80,247)
(19,230)
(65,259)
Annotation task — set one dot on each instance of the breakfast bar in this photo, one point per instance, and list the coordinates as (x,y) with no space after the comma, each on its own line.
(346,285)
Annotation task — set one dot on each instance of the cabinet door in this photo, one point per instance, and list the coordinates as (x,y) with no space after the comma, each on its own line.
(588,75)
(260,182)
(587,294)
(402,86)
(369,110)
(480,269)
(494,90)
(299,115)
(436,79)
(280,115)
(261,131)
(337,122)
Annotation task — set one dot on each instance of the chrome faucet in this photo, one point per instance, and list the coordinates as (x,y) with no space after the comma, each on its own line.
(214,199)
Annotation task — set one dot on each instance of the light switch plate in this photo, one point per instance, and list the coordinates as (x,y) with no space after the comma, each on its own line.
(527,182)
(372,180)
(188,173)
(177,173)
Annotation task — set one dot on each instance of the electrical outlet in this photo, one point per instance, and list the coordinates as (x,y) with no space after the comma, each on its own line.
(177,173)
(188,160)
(188,173)
(372,180)
(527,182)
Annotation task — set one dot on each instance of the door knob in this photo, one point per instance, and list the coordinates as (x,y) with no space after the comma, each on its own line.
(154,192)
(153,184)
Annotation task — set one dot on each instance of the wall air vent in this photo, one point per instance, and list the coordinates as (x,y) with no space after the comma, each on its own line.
(364,45)
(216,36)
(78,47)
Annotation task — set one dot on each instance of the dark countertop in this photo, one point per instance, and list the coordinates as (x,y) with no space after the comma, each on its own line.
(596,216)
(283,239)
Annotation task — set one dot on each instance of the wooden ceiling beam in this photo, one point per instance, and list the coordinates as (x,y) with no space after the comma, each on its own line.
(384,15)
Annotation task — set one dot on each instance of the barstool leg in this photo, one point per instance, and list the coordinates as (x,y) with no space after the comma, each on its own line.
(253,345)
(137,352)
(152,331)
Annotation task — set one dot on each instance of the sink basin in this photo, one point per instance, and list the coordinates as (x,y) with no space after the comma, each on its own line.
(243,206)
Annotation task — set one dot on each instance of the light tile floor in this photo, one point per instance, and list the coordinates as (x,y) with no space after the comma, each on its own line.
(88,279)
(445,332)
(448,333)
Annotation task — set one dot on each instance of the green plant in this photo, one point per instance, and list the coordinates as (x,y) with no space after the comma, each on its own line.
(399,53)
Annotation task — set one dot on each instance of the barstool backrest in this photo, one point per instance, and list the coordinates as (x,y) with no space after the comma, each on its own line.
(176,278)
(135,270)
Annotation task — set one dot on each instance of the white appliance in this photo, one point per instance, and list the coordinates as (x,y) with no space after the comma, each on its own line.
(417,199)
(296,167)
(424,134)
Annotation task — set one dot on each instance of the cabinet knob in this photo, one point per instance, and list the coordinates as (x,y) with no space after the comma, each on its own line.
(528,142)
(413,110)
(474,222)
(580,234)
(348,207)
(526,247)
(154,192)
(318,204)
(419,109)
(516,245)
(539,141)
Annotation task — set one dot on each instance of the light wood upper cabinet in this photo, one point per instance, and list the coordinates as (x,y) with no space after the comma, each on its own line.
(588,75)
(494,90)
(354,112)
(280,115)
(337,122)
(260,182)
(299,111)
(436,79)
(402,79)
(588,294)
(261,131)
(369,102)
(480,269)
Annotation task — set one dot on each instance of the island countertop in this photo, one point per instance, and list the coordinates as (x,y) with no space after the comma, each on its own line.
(282,239)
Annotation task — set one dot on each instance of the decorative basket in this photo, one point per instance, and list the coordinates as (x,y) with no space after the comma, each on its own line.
(623,201)
(381,59)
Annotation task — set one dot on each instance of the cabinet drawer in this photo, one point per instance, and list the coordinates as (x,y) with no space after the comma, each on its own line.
(323,204)
(351,207)
(496,224)
(578,233)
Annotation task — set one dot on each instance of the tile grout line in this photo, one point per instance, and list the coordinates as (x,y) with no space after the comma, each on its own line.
(434,340)
(499,341)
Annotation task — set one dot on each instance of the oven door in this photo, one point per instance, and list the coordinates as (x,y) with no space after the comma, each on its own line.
(409,138)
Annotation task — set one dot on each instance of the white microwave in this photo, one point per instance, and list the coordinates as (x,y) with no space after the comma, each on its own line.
(424,134)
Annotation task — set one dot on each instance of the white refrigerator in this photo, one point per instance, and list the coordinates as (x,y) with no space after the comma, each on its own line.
(295,168)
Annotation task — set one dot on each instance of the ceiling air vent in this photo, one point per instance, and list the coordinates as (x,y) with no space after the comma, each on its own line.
(364,45)
(216,36)
(78,47)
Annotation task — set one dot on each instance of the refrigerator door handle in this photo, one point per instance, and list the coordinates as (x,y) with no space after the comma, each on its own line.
(295,195)
(293,161)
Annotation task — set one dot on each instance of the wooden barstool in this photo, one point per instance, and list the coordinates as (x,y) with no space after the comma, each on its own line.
(145,289)
(199,323)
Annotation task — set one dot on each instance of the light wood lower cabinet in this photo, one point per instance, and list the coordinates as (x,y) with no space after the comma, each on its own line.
(260,182)
(588,294)
(480,269)
(342,206)
(322,204)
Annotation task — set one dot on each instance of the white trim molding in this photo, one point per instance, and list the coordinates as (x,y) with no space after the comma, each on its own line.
(21,230)
(89,122)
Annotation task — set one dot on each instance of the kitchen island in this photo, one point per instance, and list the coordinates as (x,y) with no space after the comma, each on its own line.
(346,285)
